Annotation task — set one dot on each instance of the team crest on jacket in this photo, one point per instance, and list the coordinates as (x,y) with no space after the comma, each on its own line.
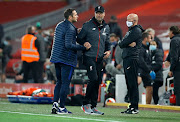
(93,29)
(104,32)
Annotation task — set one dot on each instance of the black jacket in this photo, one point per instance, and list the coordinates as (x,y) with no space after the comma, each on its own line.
(144,60)
(1,34)
(115,28)
(41,48)
(97,35)
(175,53)
(156,63)
(7,50)
(133,35)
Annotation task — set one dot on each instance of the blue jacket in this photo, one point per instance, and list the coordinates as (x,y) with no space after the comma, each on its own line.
(64,48)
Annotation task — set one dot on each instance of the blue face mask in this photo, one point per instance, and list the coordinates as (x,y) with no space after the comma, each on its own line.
(6,43)
(152,47)
(114,43)
(147,43)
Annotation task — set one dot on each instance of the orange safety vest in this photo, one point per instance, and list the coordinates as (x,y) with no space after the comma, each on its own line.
(29,52)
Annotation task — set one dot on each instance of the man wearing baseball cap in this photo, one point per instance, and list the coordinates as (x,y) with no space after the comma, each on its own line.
(96,32)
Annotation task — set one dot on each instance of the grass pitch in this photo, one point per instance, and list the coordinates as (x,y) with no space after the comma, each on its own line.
(18,112)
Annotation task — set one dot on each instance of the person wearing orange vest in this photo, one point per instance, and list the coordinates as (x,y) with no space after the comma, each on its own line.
(30,54)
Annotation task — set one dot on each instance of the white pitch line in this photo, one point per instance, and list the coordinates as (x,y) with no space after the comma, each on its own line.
(60,116)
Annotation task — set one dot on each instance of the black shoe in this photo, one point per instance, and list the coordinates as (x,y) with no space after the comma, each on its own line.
(130,111)
(126,99)
(123,112)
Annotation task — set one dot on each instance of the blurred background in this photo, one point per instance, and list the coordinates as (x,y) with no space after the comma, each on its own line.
(16,15)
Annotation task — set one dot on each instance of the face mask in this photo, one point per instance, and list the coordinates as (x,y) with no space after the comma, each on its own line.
(129,24)
(6,43)
(152,47)
(114,43)
(47,67)
(147,43)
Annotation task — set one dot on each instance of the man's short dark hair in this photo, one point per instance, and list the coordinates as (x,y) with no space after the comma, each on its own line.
(68,12)
(145,35)
(175,30)
(29,29)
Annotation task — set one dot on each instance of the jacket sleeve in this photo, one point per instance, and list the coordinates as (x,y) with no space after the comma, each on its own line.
(132,36)
(69,36)
(174,51)
(81,37)
(143,65)
(168,57)
(108,60)
(158,61)
(37,44)
(107,43)
(118,55)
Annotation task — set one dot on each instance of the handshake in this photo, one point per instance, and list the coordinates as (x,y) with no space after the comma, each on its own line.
(87,45)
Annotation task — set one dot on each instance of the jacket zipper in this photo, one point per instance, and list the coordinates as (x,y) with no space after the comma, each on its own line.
(98,45)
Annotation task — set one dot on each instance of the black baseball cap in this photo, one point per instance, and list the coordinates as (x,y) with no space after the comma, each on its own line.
(99,9)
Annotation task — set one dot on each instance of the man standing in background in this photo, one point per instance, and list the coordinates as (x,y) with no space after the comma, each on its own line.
(30,54)
(115,28)
(145,66)
(174,60)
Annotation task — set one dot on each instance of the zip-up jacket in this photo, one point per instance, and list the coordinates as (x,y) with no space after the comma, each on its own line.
(156,63)
(144,60)
(41,49)
(64,48)
(175,53)
(97,35)
(133,35)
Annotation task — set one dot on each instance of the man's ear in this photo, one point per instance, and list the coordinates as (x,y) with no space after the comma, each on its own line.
(70,17)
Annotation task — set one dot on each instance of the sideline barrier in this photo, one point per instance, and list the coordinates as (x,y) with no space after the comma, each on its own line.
(10,87)
(121,88)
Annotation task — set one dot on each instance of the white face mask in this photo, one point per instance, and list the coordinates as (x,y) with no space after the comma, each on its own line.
(129,24)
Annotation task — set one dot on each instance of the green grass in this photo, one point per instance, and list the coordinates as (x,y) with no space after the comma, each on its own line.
(16,112)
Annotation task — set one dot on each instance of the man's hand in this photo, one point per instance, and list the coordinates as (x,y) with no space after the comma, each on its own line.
(107,54)
(1,50)
(78,30)
(170,73)
(133,44)
(118,66)
(167,64)
(87,45)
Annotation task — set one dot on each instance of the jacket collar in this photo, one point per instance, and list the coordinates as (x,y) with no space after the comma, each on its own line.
(145,46)
(177,35)
(139,26)
(100,26)
(67,21)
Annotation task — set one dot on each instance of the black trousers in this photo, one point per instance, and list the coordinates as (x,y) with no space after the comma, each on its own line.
(177,86)
(27,67)
(94,71)
(131,73)
(40,69)
(156,86)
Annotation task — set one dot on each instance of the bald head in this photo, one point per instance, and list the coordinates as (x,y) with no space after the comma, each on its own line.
(133,18)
